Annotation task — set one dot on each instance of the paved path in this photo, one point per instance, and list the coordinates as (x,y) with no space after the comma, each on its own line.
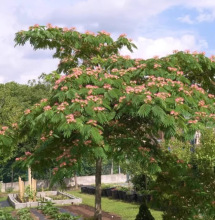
(66,211)
(38,214)
(4,204)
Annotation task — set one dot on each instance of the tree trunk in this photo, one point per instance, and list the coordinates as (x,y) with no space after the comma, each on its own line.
(76,181)
(98,208)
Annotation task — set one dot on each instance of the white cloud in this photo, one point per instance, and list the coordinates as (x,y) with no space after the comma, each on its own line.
(116,16)
(206,17)
(147,48)
(1,79)
(186,19)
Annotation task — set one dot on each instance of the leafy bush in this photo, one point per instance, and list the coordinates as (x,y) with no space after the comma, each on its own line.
(186,188)
(144,213)
(48,209)
(24,214)
(5,215)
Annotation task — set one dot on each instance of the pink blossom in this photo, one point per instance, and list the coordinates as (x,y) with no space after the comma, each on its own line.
(28,153)
(179,100)
(43,138)
(152,160)
(211,96)
(2,132)
(107,86)
(98,109)
(27,111)
(4,128)
(174,113)
(15,125)
(104,32)
(192,121)
(70,118)
(64,88)
(47,108)
(92,122)
(63,164)
(49,26)
(122,35)
(17,159)
(43,100)
(156,65)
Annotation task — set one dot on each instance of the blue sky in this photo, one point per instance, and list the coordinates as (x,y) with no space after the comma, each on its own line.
(157,27)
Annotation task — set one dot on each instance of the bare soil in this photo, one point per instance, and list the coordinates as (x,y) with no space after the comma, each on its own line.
(88,212)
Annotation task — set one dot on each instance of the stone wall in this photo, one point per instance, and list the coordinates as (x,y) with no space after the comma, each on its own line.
(82,180)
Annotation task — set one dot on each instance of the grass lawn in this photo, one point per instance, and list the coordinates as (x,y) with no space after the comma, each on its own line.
(127,211)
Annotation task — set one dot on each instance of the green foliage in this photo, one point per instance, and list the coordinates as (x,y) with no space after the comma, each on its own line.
(185,187)
(48,209)
(24,214)
(4,215)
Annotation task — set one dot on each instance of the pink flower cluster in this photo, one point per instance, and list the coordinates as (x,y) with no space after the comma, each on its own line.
(122,35)
(47,108)
(196,87)
(88,142)
(98,109)
(62,106)
(91,87)
(15,125)
(28,153)
(94,98)
(82,102)
(43,138)
(156,65)
(210,96)
(105,33)
(162,95)
(110,76)
(70,118)
(92,122)
(27,111)
(107,86)
(55,170)
(172,69)
(179,100)
(174,113)
(90,33)
(64,88)
(202,104)
(192,121)
(43,100)
(136,89)
(121,98)
(148,99)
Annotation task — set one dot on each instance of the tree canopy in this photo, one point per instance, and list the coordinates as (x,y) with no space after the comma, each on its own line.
(111,105)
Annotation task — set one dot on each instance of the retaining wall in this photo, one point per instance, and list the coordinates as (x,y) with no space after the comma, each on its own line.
(70,182)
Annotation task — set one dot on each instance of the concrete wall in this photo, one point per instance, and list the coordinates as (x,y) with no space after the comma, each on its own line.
(82,180)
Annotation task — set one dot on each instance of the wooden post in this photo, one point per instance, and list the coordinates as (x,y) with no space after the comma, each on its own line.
(21,189)
(34,188)
(29,177)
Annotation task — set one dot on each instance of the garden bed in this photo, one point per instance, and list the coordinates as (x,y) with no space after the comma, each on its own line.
(88,212)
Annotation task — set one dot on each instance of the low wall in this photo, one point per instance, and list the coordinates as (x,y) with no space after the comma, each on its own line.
(82,180)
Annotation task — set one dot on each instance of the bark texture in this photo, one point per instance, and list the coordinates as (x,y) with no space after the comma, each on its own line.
(98,208)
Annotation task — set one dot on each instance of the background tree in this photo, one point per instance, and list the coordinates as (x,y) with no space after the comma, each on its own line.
(14,99)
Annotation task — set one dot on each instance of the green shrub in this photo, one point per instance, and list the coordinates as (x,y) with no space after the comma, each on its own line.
(24,214)
(5,215)
(144,213)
